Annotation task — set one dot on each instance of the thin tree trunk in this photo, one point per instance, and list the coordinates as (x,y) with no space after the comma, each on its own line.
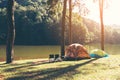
(63,30)
(102,24)
(70,22)
(11,31)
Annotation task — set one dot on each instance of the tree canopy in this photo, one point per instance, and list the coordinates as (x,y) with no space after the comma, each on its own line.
(38,22)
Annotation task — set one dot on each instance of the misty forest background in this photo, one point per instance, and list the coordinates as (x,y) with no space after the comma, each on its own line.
(38,22)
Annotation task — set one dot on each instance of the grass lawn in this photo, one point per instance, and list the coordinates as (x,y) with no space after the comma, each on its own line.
(40,69)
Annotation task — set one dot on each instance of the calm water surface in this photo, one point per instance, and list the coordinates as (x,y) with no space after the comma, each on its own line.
(27,52)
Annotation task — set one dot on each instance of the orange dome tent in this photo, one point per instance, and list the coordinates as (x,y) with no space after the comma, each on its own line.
(76,51)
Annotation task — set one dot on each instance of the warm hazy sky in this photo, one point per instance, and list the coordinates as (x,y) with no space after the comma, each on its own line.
(111,13)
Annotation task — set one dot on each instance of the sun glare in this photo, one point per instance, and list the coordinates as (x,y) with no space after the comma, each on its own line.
(111,13)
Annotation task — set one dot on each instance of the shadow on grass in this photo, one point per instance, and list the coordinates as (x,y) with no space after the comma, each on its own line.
(15,66)
(49,73)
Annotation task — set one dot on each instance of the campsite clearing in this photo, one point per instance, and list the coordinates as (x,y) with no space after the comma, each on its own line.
(40,69)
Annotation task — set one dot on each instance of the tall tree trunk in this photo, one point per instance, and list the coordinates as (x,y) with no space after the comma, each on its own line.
(63,30)
(102,24)
(11,31)
(70,22)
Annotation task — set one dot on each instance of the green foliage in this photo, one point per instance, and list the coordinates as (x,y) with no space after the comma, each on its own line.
(3,25)
(79,29)
(39,22)
(34,18)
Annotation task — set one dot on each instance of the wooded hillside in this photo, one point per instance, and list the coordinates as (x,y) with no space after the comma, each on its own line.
(38,22)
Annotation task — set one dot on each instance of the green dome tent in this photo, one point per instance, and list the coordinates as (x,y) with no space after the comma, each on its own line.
(97,53)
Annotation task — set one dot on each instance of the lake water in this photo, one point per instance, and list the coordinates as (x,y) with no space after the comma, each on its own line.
(27,52)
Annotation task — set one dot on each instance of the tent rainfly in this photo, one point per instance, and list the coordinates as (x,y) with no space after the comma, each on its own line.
(76,51)
(97,53)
